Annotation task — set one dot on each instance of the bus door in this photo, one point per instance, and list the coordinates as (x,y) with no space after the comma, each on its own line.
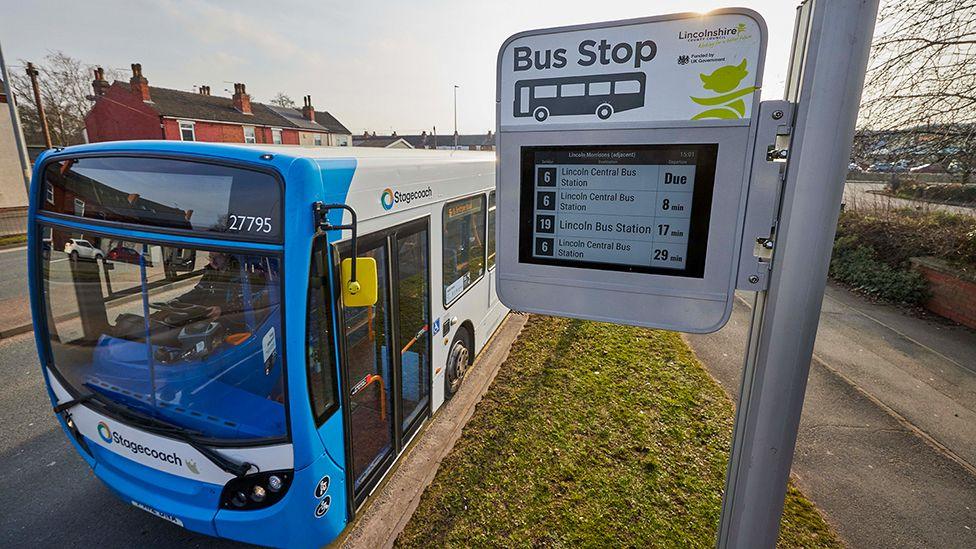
(492,294)
(386,364)
(412,270)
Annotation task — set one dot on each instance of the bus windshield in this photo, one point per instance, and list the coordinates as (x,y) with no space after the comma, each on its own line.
(189,336)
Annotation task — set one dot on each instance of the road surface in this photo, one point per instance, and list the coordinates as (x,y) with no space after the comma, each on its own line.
(858,194)
(50,496)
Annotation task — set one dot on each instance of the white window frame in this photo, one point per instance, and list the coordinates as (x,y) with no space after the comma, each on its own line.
(79,207)
(49,192)
(187,125)
(276,136)
(254,138)
(317,139)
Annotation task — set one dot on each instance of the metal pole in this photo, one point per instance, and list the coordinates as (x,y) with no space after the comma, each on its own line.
(455,118)
(830,57)
(15,120)
(42,118)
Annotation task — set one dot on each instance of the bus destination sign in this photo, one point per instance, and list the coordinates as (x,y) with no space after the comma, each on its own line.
(625,208)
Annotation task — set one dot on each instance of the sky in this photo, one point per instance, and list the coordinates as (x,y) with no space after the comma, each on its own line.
(376,66)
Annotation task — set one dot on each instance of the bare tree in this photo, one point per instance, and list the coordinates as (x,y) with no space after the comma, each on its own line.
(65,84)
(919,100)
(281,99)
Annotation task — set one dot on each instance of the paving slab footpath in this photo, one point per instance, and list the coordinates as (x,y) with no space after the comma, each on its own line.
(887,440)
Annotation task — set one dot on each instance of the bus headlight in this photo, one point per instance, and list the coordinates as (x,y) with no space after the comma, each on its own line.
(255,491)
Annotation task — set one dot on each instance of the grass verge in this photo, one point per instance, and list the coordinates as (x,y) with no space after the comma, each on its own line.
(593,435)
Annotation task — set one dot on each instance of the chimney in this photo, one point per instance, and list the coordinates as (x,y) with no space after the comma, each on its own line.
(205,90)
(99,84)
(139,84)
(308,111)
(242,101)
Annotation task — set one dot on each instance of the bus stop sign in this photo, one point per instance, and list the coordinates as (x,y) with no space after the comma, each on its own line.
(624,150)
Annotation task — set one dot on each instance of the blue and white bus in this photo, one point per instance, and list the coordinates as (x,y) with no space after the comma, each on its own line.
(223,363)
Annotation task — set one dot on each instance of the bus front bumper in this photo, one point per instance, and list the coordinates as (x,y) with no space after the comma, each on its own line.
(295,521)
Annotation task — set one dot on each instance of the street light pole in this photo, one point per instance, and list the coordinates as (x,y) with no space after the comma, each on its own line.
(455,117)
(42,118)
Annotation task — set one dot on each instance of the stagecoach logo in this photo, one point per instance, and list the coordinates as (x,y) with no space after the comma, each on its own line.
(389,197)
(108,436)
(105,432)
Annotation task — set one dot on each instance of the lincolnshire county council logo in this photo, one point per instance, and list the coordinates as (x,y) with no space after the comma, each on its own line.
(386,199)
(104,432)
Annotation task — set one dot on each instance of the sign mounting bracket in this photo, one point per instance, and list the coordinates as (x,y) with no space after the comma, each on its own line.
(769,161)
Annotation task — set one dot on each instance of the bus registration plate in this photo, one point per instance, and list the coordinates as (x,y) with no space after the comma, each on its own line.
(160,514)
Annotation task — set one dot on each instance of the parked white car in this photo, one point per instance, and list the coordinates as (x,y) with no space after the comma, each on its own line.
(79,248)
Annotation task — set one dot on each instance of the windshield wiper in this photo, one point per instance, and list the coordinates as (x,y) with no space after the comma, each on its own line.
(163,427)
(73,402)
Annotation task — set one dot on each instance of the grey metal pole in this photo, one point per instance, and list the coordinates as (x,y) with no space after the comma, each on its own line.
(455,117)
(15,120)
(830,56)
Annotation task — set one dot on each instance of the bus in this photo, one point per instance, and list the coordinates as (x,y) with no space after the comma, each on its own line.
(267,327)
(599,94)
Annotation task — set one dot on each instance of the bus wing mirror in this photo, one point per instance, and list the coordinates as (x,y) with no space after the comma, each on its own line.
(359,280)
(363,290)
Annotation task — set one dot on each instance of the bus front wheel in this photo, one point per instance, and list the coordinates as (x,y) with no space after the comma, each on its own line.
(458,360)
(541,114)
(604,111)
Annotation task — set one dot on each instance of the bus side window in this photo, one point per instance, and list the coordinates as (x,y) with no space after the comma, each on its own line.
(321,368)
(464,245)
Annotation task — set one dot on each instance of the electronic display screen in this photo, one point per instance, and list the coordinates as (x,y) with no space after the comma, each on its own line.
(632,208)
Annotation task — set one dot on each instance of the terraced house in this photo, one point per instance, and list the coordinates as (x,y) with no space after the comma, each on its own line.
(136,110)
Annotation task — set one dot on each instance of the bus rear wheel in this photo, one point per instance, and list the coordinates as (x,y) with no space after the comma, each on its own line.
(459,358)
(604,111)
(541,114)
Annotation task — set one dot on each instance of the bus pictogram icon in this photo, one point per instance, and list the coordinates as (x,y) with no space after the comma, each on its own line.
(600,94)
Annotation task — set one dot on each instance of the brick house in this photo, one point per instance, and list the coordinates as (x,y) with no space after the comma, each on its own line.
(465,142)
(136,110)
